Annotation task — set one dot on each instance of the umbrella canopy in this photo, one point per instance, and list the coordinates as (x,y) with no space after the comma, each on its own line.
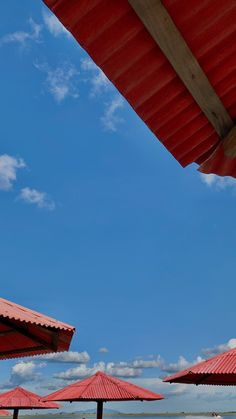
(101,388)
(218,370)
(174,62)
(24,332)
(19,398)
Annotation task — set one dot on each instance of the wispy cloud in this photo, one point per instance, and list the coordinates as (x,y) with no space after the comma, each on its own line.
(23,38)
(97,79)
(9,166)
(61,82)
(38,198)
(103,350)
(67,357)
(110,119)
(53,25)
(218,182)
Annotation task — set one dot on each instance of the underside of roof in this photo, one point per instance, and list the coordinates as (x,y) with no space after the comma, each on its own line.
(24,332)
(119,43)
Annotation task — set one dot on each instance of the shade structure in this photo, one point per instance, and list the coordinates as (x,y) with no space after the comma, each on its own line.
(218,370)
(119,37)
(19,398)
(24,332)
(102,388)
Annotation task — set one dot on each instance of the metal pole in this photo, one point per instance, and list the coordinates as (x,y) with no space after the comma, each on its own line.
(99,409)
(15,413)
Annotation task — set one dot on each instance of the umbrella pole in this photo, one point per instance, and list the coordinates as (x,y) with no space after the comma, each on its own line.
(99,409)
(15,413)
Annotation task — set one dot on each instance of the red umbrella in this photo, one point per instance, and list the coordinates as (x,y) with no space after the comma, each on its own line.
(24,332)
(4,412)
(101,388)
(219,370)
(19,398)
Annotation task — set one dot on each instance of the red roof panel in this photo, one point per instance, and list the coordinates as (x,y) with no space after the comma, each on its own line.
(118,42)
(220,369)
(19,398)
(103,387)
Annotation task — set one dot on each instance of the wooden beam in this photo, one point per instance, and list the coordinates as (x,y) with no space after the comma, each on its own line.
(229,143)
(7,332)
(160,25)
(99,409)
(23,330)
(19,351)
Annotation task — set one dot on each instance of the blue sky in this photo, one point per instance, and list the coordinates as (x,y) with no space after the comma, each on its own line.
(101,227)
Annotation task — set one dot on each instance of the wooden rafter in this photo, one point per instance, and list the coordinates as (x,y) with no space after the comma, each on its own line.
(161,27)
(19,351)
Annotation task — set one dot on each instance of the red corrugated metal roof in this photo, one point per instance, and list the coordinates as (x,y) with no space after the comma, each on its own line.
(118,42)
(19,398)
(220,369)
(25,332)
(16,312)
(103,387)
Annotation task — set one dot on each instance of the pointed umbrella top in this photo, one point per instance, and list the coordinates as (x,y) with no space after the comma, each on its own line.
(103,387)
(218,370)
(24,332)
(19,398)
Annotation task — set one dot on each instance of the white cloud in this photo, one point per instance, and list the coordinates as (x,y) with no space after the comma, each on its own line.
(121,369)
(53,25)
(67,357)
(220,348)
(159,362)
(61,81)
(218,182)
(110,119)
(8,170)
(40,199)
(103,350)
(153,363)
(23,38)
(80,372)
(23,372)
(181,364)
(98,80)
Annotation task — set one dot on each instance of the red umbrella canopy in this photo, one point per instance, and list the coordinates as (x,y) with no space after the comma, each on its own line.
(218,370)
(103,387)
(19,398)
(24,332)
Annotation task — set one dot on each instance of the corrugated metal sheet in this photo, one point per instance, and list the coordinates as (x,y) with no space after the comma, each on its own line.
(103,387)
(25,332)
(220,369)
(19,398)
(16,312)
(120,45)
